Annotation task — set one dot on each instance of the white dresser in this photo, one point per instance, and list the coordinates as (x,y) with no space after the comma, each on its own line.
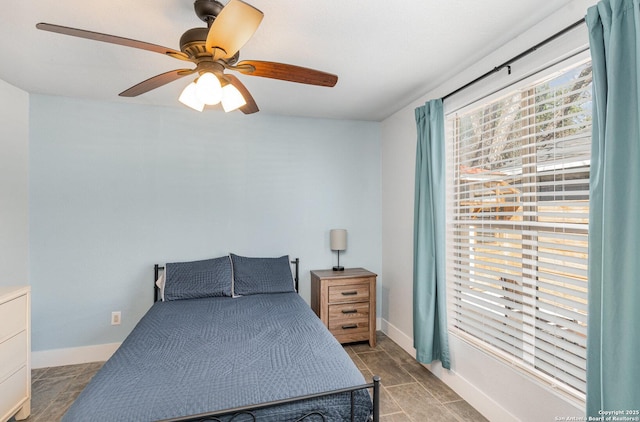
(15,352)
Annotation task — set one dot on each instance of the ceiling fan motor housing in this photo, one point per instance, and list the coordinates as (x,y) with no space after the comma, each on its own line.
(193,44)
(207,10)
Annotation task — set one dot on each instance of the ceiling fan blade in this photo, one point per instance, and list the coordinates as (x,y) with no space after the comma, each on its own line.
(155,82)
(234,26)
(251,106)
(285,72)
(113,39)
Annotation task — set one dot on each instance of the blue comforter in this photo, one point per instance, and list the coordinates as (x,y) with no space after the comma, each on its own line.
(193,356)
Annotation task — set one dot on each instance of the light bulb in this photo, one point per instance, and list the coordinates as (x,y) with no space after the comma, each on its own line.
(208,89)
(189,97)
(232,98)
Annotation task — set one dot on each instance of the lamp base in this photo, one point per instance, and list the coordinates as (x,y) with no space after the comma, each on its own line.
(338,268)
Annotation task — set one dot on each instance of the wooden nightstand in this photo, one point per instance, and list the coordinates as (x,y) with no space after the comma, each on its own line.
(345,301)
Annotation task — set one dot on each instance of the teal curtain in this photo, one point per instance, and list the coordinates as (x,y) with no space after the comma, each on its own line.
(613,339)
(429,298)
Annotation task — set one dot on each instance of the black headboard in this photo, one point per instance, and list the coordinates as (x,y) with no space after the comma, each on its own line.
(157,268)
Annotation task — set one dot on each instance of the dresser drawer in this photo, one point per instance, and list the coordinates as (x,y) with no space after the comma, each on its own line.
(355,292)
(13,315)
(13,391)
(13,354)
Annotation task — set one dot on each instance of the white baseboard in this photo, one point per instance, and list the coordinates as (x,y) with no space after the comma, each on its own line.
(72,355)
(400,338)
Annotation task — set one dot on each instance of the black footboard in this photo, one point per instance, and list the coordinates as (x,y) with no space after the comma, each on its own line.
(248,410)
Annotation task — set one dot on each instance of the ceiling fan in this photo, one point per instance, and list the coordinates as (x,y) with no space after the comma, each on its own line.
(213,50)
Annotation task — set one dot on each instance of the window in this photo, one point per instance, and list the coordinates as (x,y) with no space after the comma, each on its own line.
(518,206)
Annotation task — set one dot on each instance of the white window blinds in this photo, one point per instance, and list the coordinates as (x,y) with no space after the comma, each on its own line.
(517,236)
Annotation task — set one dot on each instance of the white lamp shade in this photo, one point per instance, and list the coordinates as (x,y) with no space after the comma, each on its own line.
(208,89)
(189,98)
(231,98)
(338,239)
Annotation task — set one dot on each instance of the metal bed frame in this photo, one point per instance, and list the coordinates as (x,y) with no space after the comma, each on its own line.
(247,411)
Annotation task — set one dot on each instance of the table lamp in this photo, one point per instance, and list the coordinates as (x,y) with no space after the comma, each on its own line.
(338,242)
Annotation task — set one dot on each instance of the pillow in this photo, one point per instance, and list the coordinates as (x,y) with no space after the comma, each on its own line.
(261,275)
(195,279)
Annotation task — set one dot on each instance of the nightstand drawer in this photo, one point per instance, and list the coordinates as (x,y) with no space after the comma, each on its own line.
(349,292)
(350,328)
(348,312)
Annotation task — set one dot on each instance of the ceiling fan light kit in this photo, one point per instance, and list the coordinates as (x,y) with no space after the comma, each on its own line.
(190,98)
(213,50)
(232,99)
(206,90)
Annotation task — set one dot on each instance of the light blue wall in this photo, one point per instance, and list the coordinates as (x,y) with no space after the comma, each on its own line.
(116,188)
(14,185)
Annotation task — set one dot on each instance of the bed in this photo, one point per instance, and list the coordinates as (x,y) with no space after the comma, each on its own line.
(229,340)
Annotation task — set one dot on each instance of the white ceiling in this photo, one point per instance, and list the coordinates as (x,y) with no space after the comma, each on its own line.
(386,54)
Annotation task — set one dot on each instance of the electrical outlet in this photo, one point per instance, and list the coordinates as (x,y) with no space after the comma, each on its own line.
(116,317)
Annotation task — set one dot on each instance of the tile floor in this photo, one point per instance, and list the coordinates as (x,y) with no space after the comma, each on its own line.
(54,389)
(409,391)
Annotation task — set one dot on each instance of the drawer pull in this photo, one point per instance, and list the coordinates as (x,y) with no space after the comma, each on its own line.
(349,311)
(349,293)
(350,326)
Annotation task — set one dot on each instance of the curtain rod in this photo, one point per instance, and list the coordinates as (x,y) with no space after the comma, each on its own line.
(507,64)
